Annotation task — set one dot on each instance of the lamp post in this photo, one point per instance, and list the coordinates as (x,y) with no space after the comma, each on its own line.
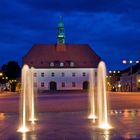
(114,77)
(130,62)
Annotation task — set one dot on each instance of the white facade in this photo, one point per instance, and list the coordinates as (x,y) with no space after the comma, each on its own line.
(130,82)
(64,78)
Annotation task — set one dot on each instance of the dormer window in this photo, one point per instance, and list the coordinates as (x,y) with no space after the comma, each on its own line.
(61,64)
(71,64)
(52,64)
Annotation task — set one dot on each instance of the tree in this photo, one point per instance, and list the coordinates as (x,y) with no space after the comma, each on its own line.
(12,70)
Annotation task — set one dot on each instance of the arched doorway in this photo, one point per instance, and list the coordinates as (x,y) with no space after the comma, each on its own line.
(53,85)
(85,85)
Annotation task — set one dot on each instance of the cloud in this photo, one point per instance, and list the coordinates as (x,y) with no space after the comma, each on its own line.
(112,27)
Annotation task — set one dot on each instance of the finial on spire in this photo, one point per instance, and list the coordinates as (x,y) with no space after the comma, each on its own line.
(60,17)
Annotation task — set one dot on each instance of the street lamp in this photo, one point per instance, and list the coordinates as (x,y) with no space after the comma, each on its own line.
(130,62)
(114,77)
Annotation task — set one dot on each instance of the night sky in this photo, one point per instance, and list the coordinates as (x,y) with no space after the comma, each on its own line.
(111,27)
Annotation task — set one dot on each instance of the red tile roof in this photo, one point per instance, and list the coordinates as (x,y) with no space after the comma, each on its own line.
(41,55)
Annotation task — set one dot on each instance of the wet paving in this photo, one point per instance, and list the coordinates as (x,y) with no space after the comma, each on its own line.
(72,126)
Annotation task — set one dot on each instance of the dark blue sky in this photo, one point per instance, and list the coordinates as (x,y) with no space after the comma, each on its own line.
(111,27)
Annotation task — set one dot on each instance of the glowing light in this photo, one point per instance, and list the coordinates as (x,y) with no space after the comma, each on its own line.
(110,71)
(2,116)
(130,61)
(92,117)
(124,61)
(33,120)
(23,129)
(105,126)
(119,85)
(137,61)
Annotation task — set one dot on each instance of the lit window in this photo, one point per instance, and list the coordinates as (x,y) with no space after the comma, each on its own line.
(42,74)
(73,74)
(72,64)
(63,84)
(51,64)
(35,74)
(73,84)
(84,74)
(53,74)
(42,84)
(61,64)
(63,74)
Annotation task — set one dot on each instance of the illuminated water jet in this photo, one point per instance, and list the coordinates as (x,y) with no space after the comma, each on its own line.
(92,95)
(32,117)
(23,101)
(102,97)
(27,100)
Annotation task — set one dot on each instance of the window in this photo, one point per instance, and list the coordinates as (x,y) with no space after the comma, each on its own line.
(52,64)
(73,74)
(53,74)
(73,84)
(35,74)
(35,84)
(63,74)
(42,84)
(42,74)
(84,74)
(95,73)
(71,64)
(61,64)
(63,84)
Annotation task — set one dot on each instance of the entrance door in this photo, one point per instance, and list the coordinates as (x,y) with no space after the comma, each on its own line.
(53,86)
(85,85)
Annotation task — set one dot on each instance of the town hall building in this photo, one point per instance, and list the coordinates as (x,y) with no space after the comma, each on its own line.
(62,66)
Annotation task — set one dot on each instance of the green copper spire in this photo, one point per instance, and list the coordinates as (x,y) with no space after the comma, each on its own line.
(61,34)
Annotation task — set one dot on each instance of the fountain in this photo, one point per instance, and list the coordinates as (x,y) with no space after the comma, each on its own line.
(23,101)
(92,95)
(27,99)
(102,97)
(32,117)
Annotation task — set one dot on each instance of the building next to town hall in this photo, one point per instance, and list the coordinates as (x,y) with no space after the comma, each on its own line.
(62,66)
